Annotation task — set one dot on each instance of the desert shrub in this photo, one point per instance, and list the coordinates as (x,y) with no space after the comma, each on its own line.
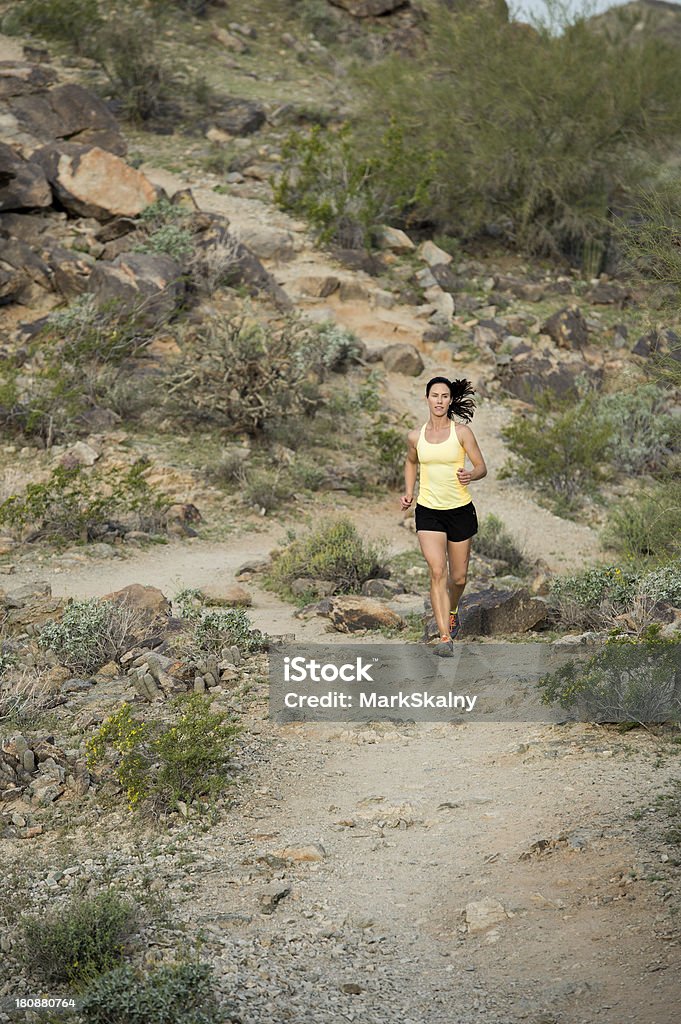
(176,994)
(142,80)
(71,22)
(25,693)
(215,266)
(494,541)
(597,596)
(49,407)
(332,347)
(267,489)
(331,551)
(170,240)
(386,443)
(647,525)
(157,764)
(90,633)
(582,599)
(523,133)
(345,196)
(559,446)
(77,505)
(649,238)
(228,469)
(244,374)
(627,680)
(75,942)
(642,437)
(213,629)
(104,334)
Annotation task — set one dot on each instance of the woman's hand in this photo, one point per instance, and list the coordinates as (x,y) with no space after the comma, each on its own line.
(405,501)
(465,476)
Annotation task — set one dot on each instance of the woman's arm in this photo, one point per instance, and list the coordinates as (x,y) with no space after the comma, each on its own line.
(472,450)
(410,468)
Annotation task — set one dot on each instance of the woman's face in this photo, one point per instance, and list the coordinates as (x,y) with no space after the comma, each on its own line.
(438,400)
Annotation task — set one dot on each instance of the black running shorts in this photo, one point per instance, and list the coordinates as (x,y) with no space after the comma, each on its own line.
(458,523)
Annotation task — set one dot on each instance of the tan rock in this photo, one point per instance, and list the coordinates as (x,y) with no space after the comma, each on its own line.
(394,240)
(148,600)
(317,287)
(351,613)
(482,915)
(231,596)
(433,255)
(92,182)
(305,854)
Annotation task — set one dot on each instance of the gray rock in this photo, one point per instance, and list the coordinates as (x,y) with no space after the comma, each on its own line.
(382,588)
(567,327)
(23,184)
(240,116)
(149,283)
(403,358)
(491,612)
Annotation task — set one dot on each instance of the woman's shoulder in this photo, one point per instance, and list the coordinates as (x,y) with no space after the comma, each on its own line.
(414,434)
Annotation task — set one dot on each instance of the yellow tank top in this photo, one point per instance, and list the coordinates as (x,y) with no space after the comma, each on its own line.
(439,485)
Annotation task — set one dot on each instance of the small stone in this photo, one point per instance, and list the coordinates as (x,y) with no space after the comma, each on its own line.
(272,896)
(306,854)
(482,915)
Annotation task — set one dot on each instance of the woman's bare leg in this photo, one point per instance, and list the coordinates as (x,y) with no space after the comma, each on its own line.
(459,553)
(434,548)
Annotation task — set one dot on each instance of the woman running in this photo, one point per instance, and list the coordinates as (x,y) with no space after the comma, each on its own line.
(446,519)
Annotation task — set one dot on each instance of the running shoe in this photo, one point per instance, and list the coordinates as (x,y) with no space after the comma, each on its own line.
(454,625)
(444,648)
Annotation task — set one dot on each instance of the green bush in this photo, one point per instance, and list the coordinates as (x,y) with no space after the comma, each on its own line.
(90,633)
(626,681)
(595,596)
(108,334)
(213,629)
(559,447)
(177,994)
(525,133)
(332,551)
(386,443)
(77,505)
(71,22)
(346,197)
(244,375)
(169,240)
(51,407)
(494,541)
(647,525)
(74,943)
(158,764)
(643,434)
(267,489)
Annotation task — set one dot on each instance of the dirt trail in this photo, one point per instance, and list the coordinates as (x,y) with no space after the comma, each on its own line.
(419,822)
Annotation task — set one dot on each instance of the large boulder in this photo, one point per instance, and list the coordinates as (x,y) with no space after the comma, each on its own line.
(349,614)
(493,612)
(529,378)
(91,182)
(34,111)
(23,184)
(150,284)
